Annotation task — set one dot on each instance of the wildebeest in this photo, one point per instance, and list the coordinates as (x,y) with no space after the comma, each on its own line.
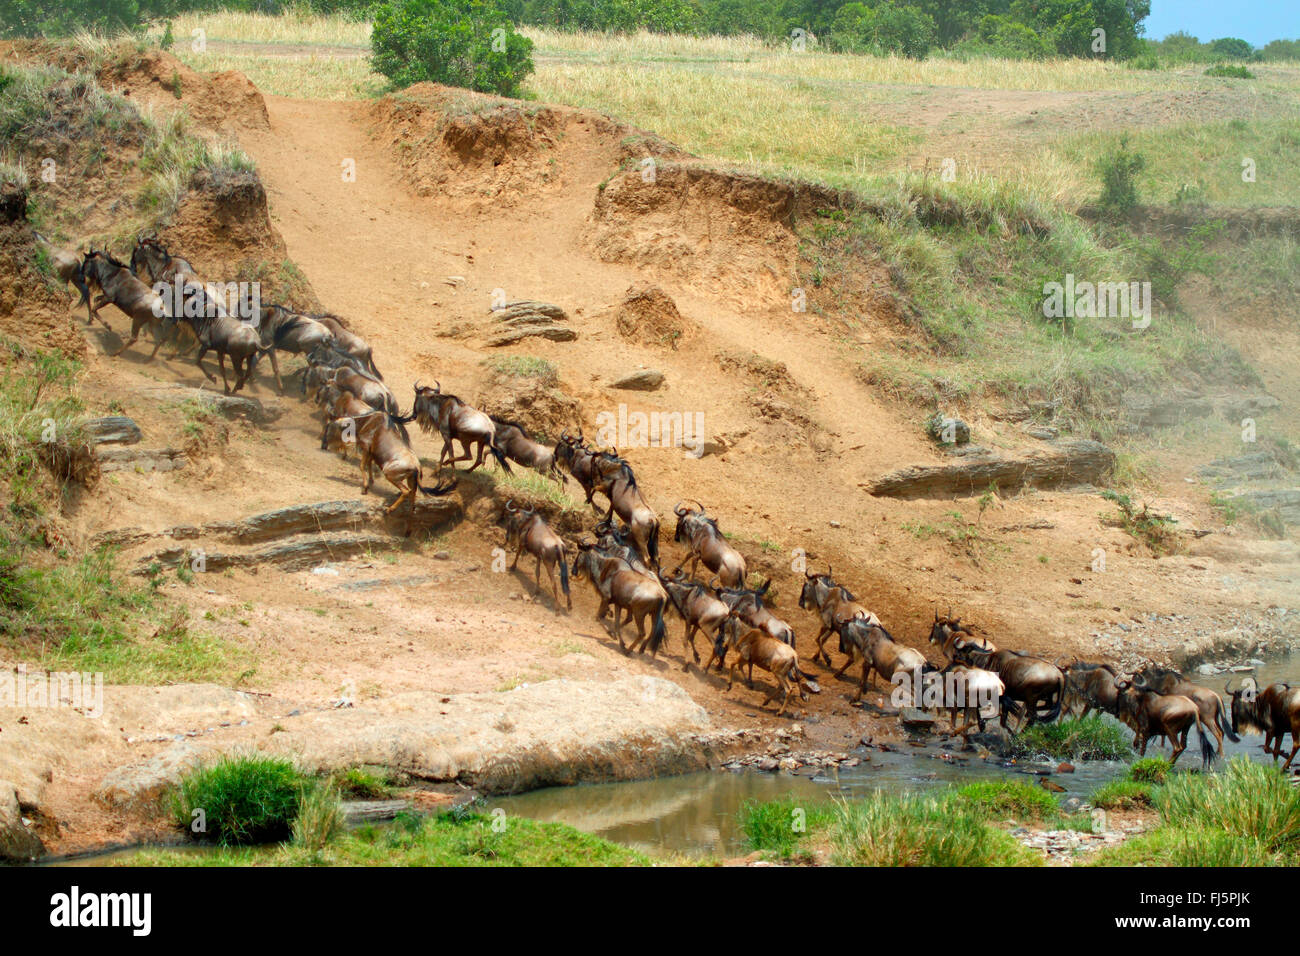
(699,608)
(700,533)
(67,266)
(1164,680)
(835,605)
(347,340)
(379,445)
(1092,686)
(280,328)
(519,447)
(626,500)
(1272,712)
(226,336)
(440,411)
(753,646)
(880,654)
(947,631)
(129,294)
(579,459)
(970,690)
(1152,714)
(528,531)
(619,586)
(748,605)
(1029,680)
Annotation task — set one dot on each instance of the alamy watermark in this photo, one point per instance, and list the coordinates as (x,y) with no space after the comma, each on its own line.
(1098,300)
(624,429)
(69,689)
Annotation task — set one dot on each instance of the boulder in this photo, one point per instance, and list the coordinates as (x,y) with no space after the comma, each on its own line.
(17,841)
(113,430)
(1061,463)
(645,380)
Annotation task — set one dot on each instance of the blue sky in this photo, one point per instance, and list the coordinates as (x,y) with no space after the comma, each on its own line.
(1256,21)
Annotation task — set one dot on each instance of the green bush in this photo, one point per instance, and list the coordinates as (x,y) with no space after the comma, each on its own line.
(778,825)
(1231,72)
(885,29)
(1118,170)
(1077,738)
(242,799)
(1149,770)
(1249,800)
(1010,798)
(64,17)
(920,830)
(1122,794)
(466,43)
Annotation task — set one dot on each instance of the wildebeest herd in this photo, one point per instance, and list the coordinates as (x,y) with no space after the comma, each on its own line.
(621,559)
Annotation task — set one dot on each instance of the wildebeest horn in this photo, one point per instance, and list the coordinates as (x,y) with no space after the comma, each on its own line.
(678,509)
(510,506)
(1139,682)
(437,386)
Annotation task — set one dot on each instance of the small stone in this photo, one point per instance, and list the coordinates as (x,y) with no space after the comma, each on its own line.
(645,380)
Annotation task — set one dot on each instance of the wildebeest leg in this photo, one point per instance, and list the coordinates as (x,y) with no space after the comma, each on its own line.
(824,633)
(275,367)
(198,360)
(618,628)
(136,325)
(852,657)
(1295,748)
(862,681)
(1179,745)
(221,363)
(537,576)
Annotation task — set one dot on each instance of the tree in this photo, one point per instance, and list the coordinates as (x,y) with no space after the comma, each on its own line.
(886,28)
(469,43)
(62,17)
(1231,48)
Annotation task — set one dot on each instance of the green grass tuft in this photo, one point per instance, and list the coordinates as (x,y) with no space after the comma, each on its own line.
(1090,738)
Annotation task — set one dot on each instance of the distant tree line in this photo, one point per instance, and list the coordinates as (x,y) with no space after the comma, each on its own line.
(1033,29)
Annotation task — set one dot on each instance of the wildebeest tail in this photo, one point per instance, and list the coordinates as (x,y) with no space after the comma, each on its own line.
(439,489)
(659,631)
(1055,710)
(1224,724)
(500,456)
(806,680)
(370,364)
(564,575)
(652,544)
(1208,753)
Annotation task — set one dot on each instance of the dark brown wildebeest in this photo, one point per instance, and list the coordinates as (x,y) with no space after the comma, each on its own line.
(336,402)
(129,294)
(150,259)
(227,336)
(971,691)
(1092,686)
(577,457)
(1272,712)
(379,445)
(749,606)
(440,411)
(947,631)
(1152,714)
(880,654)
(528,531)
(626,500)
(1164,680)
(700,533)
(753,646)
(348,341)
(1031,681)
(67,266)
(283,329)
(519,447)
(835,605)
(699,607)
(619,586)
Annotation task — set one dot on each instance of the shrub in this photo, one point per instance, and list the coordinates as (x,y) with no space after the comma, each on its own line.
(64,17)
(1232,72)
(884,29)
(1149,770)
(242,799)
(1249,800)
(1013,798)
(466,43)
(1122,794)
(1078,738)
(779,825)
(1118,169)
(319,819)
(920,830)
